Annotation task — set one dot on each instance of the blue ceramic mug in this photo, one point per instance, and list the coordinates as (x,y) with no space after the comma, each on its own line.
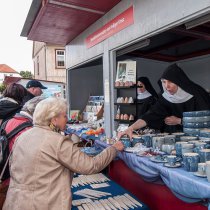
(136,139)
(126,142)
(204,155)
(178,148)
(190,161)
(171,159)
(148,140)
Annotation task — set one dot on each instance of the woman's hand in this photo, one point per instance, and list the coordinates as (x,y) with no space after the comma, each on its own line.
(173,120)
(118,146)
(128,131)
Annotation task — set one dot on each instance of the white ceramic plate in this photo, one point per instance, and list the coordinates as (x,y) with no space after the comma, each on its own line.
(132,149)
(158,160)
(174,166)
(199,175)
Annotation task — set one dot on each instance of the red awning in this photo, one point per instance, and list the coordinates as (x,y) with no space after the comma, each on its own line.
(60,21)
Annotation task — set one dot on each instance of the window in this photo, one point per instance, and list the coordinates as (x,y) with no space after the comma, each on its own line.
(60,58)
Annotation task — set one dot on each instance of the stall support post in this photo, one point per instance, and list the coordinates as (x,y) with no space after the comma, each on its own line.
(109,63)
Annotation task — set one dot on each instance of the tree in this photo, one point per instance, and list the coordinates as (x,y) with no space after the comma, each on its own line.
(26,74)
(2,88)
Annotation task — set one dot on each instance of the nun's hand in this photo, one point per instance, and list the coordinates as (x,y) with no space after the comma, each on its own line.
(128,132)
(173,120)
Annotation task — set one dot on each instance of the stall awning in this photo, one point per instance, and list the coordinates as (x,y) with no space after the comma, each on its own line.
(60,21)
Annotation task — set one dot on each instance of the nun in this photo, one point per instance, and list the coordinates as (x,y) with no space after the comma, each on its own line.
(179,95)
(146,95)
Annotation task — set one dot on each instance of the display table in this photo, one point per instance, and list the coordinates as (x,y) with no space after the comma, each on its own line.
(113,188)
(145,179)
(81,133)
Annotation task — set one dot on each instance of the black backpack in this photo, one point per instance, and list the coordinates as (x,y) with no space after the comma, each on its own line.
(4,145)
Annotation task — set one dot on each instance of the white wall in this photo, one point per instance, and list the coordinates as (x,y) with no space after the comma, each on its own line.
(3,75)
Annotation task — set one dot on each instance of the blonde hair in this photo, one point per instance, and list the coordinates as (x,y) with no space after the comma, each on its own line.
(47,109)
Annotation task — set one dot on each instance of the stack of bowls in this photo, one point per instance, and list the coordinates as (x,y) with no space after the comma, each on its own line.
(194,122)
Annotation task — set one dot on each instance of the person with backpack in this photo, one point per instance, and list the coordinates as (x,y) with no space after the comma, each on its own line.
(13,128)
(11,101)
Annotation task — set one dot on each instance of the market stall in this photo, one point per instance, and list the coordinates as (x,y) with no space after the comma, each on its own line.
(155,34)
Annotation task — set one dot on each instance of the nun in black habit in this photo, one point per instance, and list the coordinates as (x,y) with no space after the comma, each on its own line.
(146,95)
(179,95)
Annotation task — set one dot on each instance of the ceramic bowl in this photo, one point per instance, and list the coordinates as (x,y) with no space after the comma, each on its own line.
(205,133)
(196,119)
(191,131)
(196,124)
(188,138)
(197,113)
(205,140)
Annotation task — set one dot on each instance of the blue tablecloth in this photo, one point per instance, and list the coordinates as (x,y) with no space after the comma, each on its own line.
(114,189)
(183,184)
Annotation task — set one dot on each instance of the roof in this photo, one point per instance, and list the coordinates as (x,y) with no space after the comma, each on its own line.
(9,79)
(6,69)
(60,21)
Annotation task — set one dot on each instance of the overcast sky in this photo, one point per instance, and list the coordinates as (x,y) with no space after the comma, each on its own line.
(15,51)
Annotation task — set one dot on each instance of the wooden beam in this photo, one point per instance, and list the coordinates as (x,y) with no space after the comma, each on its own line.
(191,33)
(194,54)
(157,56)
(207,25)
(169,58)
(171,45)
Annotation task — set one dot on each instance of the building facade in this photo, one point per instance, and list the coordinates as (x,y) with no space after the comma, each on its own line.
(49,62)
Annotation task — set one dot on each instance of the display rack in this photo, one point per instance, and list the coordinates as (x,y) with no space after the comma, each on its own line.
(125,107)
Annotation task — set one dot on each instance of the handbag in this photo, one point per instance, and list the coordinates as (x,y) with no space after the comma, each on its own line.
(3,187)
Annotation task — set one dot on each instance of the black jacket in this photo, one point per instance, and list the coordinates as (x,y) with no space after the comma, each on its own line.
(8,108)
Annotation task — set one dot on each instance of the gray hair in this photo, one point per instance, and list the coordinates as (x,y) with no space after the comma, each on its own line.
(30,105)
(47,109)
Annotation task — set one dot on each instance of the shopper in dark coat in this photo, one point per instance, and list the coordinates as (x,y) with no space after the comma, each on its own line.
(34,88)
(180,95)
(146,95)
(11,101)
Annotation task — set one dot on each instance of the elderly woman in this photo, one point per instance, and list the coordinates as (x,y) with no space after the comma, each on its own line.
(43,162)
(179,95)
(11,101)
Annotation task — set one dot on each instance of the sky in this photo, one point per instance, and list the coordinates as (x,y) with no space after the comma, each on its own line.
(15,51)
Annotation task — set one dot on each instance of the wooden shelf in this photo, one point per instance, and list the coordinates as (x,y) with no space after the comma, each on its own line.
(125,87)
(124,104)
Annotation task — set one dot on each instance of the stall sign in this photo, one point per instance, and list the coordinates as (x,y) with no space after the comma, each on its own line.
(115,25)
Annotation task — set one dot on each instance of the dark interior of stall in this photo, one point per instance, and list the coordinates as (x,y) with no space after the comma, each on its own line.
(83,81)
(185,45)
